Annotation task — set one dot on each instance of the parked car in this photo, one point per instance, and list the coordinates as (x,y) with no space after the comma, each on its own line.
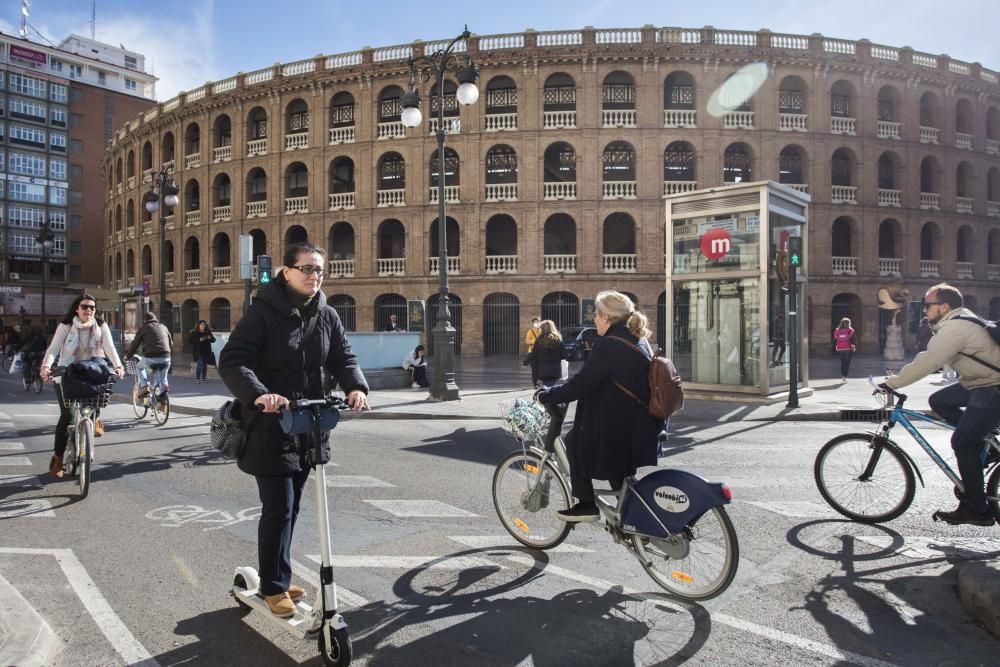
(578,341)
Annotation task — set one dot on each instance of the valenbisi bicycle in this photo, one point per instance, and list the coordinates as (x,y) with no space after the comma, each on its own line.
(673,521)
(155,397)
(869,478)
(78,459)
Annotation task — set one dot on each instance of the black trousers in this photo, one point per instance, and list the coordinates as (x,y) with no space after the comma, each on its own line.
(419,375)
(279,497)
(62,426)
(845,362)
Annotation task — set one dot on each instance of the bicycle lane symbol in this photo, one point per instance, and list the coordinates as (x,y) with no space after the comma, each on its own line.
(174,516)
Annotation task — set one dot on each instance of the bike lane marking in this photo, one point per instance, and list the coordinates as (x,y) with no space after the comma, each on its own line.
(419,508)
(123,641)
(15,461)
(21,481)
(11,446)
(26,507)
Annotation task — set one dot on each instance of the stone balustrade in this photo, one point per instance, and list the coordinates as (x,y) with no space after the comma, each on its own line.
(618,118)
(930,201)
(130,232)
(678,187)
(963,204)
(889,197)
(618,190)
(451,125)
(501,192)
(391,266)
(222,154)
(844,194)
(192,161)
(341,268)
(993,209)
(130,182)
(890,266)
(619,263)
(147,227)
(559,190)
(221,274)
(341,200)
(297,141)
(928,135)
(797,122)
(453,265)
(222,213)
(192,277)
(147,175)
(841,125)
(801,187)
(844,266)
(169,165)
(498,264)
(168,222)
(559,263)
(559,120)
(391,130)
(992,147)
(963,270)
(993,271)
(257,209)
(192,218)
(888,130)
(675,118)
(930,268)
(500,122)
(737,120)
(451,194)
(341,135)
(296,205)
(963,141)
(391,198)
(257,147)
(168,278)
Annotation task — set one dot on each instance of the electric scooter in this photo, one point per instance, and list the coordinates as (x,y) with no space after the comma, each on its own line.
(321,621)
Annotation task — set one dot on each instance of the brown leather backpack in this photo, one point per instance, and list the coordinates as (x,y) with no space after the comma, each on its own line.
(666,397)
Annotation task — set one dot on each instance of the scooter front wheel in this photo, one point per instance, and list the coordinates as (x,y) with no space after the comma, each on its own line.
(339,653)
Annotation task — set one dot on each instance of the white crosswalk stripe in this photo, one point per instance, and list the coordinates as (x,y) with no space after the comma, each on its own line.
(506,541)
(419,508)
(356,481)
(22,461)
(28,507)
(11,446)
(20,480)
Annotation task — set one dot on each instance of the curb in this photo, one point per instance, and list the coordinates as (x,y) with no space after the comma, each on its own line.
(26,640)
(979,591)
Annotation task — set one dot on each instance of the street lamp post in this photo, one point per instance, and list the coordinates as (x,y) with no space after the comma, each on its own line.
(161,196)
(46,239)
(427,67)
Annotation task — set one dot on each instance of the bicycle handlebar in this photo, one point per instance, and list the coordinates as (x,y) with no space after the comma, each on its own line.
(888,390)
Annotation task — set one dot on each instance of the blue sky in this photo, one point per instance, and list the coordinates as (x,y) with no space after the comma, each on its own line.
(188,43)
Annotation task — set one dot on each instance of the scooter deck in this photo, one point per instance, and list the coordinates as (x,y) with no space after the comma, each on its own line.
(298,624)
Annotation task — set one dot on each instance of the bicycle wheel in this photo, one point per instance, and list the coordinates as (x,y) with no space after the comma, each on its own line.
(160,402)
(888,487)
(527,497)
(697,564)
(39,385)
(991,492)
(7,363)
(139,405)
(85,452)
(26,381)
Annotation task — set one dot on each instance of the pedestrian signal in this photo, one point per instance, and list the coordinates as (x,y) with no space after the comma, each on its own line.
(263,269)
(795,251)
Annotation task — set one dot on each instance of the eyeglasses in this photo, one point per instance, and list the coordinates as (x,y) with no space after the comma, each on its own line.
(309,269)
(88,306)
(928,304)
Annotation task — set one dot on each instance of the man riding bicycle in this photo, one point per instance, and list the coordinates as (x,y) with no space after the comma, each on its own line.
(32,352)
(961,342)
(156,344)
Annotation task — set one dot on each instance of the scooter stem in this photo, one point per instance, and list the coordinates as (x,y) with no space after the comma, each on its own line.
(327,586)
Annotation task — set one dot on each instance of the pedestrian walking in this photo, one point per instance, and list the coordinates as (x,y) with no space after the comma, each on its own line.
(532,334)
(924,333)
(546,356)
(416,363)
(845,343)
(201,340)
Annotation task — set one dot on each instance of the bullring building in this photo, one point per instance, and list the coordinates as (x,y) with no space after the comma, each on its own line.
(555,179)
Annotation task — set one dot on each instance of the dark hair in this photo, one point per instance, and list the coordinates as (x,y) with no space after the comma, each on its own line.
(948,294)
(418,349)
(207,328)
(71,313)
(293,251)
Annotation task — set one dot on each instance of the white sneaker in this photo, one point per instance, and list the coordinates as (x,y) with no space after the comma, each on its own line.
(415,385)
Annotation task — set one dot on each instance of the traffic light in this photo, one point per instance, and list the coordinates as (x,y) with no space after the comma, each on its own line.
(795,251)
(263,269)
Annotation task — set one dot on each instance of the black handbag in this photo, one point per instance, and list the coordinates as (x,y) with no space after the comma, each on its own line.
(227,431)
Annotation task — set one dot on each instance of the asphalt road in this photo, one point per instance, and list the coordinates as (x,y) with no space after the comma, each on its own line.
(141,569)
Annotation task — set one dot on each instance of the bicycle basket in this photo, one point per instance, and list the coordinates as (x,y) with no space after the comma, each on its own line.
(526,419)
(96,399)
(130,366)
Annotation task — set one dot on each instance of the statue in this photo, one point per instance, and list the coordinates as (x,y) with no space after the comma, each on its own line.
(893,298)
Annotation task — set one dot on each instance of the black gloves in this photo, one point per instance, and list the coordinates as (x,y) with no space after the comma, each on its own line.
(542,395)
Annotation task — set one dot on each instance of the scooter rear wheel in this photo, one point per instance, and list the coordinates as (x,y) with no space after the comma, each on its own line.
(340,653)
(240,582)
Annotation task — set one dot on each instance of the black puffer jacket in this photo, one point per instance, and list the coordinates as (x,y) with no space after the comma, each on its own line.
(546,359)
(265,354)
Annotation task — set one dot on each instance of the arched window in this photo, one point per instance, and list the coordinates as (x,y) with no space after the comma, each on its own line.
(386,305)
(192,195)
(559,244)
(192,139)
(146,261)
(451,169)
(618,91)
(389,106)
(501,244)
(930,116)
(501,96)
(342,110)
(296,180)
(501,324)
(222,193)
(219,314)
(391,172)
(790,166)
(347,309)
(563,308)
(257,124)
(679,168)
(501,165)
(619,243)
(792,97)
(222,136)
(297,117)
(559,97)
(167,148)
(221,254)
(341,242)
(737,164)
(559,165)
(618,162)
(452,239)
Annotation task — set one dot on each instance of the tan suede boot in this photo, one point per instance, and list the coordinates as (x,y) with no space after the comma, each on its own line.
(98,428)
(55,467)
(296,592)
(280,605)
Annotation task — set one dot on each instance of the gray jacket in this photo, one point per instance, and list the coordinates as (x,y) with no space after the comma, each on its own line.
(153,338)
(951,338)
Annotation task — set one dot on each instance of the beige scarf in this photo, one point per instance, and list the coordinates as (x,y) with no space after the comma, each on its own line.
(86,336)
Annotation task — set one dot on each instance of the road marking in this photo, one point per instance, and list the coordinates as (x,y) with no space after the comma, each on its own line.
(173,516)
(20,480)
(345,598)
(419,508)
(506,541)
(15,461)
(724,619)
(412,562)
(4,415)
(732,413)
(798,509)
(32,507)
(124,643)
(11,446)
(356,482)
(935,547)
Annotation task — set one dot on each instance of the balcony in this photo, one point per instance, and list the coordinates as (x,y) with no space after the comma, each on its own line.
(930,268)
(168,221)
(963,141)
(119,236)
(168,278)
(453,266)
(130,232)
(221,274)
(963,270)
(500,264)
(992,209)
(675,118)
(169,165)
(256,209)
(619,263)
(618,190)
(341,268)
(928,135)
(618,118)
(341,135)
(559,190)
(147,227)
(341,200)
(930,201)
(844,266)
(391,198)
(677,187)
(192,277)
(737,120)
(450,194)
(296,205)
(130,182)
(222,154)
(118,188)
(844,194)
(890,266)
(391,130)
(257,147)
(222,213)
(887,129)
(501,192)
(192,161)
(992,147)
(294,142)
(192,218)
(840,125)
(560,263)
(393,266)
(801,187)
(993,271)
(793,122)
(889,197)
(500,122)
(963,204)
(147,175)
(130,280)
(682,263)
(451,125)
(559,120)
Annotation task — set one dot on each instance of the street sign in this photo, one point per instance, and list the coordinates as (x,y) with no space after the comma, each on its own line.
(145,289)
(246,257)
(263,269)
(10,289)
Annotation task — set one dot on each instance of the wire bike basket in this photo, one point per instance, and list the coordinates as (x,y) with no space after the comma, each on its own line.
(99,400)
(131,365)
(526,419)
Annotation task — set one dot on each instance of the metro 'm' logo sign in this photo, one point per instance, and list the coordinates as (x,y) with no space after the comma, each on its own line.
(715,243)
